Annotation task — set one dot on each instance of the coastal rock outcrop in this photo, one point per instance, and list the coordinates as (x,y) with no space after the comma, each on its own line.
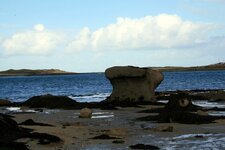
(180,109)
(133,84)
(50,101)
(10,131)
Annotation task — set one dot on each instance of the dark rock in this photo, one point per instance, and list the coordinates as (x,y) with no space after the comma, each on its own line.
(63,102)
(181,110)
(45,138)
(38,110)
(118,142)
(104,137)
(155,110)
(4,102)
(187,118)
(153,118)
(10,131)
(143,146)
(199,136)
(30,122)
(13,146)
(181,102)
(50,101)
(133,84)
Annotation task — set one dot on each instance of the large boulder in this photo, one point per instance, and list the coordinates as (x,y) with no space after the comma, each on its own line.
(50,101)
(8,128)
(133,84)
(10,132)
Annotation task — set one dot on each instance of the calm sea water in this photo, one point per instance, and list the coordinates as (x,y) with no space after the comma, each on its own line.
(95,87)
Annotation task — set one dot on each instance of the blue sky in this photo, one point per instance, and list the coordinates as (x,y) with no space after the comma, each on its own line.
(92,35)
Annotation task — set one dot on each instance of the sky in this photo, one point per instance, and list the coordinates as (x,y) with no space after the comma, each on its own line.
(92,35)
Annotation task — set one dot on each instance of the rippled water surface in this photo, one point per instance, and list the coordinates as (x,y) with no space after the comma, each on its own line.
(95,87)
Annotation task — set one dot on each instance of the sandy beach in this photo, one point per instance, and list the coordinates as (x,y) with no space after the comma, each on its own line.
(121,124)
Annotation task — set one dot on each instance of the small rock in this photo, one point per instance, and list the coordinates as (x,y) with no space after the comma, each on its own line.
(117,132)
(199,136)
(163,129)
(31,122)
(202,113)
(143,146)
(38,109)
(104,137)
(85,113)
(118,142)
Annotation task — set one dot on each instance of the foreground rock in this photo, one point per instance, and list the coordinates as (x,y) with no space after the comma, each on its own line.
(85,113)
(133,84)
(180,109)
(10,131)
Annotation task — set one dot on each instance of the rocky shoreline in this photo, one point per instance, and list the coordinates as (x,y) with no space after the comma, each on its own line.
(149,117)
(134,116)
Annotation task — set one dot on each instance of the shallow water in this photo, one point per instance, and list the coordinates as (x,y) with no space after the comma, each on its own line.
(95,86)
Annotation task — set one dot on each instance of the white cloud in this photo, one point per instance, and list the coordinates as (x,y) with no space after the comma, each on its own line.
(151,32)
(154,33)
(39,27)
(38,41)
(81,41)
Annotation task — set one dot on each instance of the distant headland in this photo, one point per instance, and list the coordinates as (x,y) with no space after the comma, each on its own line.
(30,72)
(217,66)
(41,72)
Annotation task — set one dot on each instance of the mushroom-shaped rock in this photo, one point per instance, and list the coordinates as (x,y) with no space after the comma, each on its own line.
(85,113)
(133,83)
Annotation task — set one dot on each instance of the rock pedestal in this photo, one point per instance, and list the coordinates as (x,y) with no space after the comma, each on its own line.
(133,84)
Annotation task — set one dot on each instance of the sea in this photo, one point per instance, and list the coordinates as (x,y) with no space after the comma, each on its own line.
(94,87)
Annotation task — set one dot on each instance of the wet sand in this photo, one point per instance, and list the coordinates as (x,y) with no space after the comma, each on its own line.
(77,133)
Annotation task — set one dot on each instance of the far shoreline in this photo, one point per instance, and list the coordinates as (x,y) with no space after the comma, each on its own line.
(46,72)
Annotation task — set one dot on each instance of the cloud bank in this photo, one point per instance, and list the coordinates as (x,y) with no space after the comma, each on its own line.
(161,32)
(151,32)
(37,42)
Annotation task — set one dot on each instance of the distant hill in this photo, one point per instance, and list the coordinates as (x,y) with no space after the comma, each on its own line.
(29,72)
(217,66)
